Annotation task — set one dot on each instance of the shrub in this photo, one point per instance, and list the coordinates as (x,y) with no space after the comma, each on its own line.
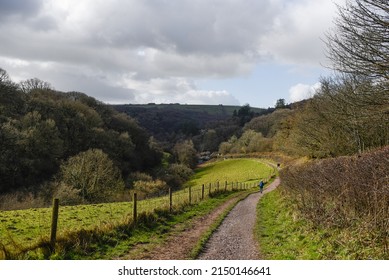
(176,175)
(67,195)
(93,174)
(344,192)
(147,189)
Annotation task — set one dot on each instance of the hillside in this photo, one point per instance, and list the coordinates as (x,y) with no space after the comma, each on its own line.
(43,132)
(165,121)
(215,110)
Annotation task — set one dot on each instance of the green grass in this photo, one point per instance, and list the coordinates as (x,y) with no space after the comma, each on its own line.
(231,170)
(281,236)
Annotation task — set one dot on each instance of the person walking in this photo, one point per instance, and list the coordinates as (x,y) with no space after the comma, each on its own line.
(261,184)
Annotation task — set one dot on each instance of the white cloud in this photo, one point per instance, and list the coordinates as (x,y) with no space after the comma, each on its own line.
(298,31)
(301,91)
(175,90)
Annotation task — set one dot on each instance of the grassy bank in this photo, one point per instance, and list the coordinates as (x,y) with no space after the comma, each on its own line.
(281,235)
(284,234)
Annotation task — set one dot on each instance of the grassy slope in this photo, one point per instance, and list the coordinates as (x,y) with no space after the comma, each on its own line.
(231,170)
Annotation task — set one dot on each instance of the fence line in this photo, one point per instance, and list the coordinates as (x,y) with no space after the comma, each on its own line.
(66,219)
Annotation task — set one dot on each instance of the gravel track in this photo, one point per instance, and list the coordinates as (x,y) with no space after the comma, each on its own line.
(234,239)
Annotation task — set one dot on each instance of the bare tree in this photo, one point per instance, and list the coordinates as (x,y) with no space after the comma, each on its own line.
(359,44)
(34,84)
(4,77)
(5,80)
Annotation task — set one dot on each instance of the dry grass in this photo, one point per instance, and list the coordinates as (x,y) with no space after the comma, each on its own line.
(345,192)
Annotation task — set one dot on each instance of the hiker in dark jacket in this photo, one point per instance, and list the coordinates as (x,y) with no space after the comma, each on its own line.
(261,184)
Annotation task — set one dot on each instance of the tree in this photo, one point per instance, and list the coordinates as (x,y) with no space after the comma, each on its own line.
(29,152)
(185,153)
(11,101)
(245,114)
(359,45)
(4,77)
(352,107)
(93,174)
(342,119)
(280,103)
(30,85)
(210,141)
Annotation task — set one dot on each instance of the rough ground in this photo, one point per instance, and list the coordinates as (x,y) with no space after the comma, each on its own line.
(234,239)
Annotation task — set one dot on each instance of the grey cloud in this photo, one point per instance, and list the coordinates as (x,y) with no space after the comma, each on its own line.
(195,38)
(43,23)
(95,86)
(19,8)
(211,27)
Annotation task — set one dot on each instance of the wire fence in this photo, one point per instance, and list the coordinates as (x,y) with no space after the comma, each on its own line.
(27,227)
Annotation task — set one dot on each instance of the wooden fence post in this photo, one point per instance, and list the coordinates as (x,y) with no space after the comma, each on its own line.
(202,192)
(170,200)
(134,212)
(54,224)
(218,185)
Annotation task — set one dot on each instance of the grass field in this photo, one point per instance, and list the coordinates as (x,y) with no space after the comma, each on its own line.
(21,229)
(232,170)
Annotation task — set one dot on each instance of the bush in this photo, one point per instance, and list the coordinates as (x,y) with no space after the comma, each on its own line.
(344,192)
(67,195)
(93,174)
(176,175)
(147,189)
(21,200)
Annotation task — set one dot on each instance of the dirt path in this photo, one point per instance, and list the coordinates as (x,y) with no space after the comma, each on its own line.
(234,239)
(179,245)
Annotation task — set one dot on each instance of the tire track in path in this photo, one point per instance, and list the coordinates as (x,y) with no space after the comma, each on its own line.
(234,239)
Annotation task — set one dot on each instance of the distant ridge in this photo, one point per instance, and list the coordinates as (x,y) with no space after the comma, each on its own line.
(223,110)
(172,119)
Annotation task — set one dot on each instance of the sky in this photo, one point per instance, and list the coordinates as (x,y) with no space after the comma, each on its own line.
(230,52)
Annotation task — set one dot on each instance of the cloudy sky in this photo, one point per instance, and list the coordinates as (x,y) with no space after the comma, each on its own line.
(169,51)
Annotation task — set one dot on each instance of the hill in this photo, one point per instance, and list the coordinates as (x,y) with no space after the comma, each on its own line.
(167,122)
(214,110)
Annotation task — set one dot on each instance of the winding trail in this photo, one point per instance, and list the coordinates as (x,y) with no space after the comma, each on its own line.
(234,239)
